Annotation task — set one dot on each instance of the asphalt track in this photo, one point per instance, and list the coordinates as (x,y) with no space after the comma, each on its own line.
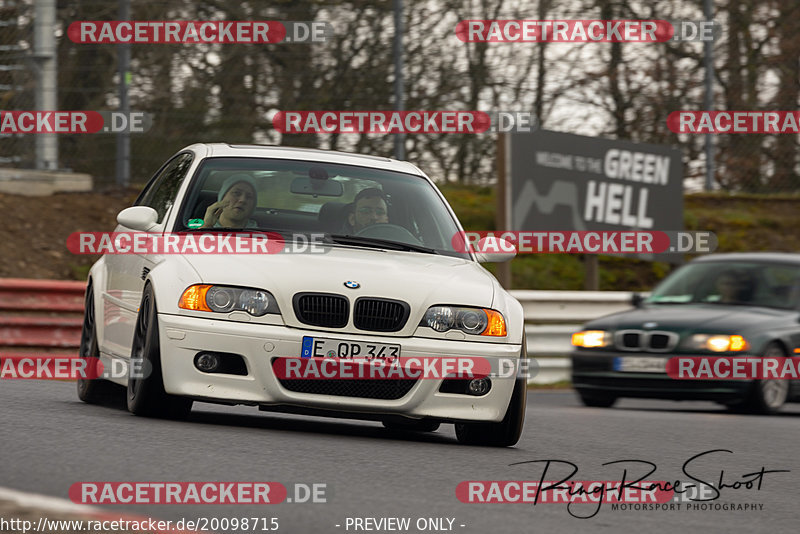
(50,440)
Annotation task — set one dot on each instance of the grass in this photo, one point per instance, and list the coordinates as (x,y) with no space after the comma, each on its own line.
(80,272)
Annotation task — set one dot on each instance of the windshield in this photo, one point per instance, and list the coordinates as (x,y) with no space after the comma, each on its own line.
(353,206)
(771,285)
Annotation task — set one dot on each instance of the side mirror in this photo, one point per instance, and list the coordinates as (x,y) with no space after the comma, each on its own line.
(495,250)
(140,218)
(636,300)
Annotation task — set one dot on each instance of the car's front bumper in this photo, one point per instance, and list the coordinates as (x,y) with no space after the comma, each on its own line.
(593,372)
(182,338)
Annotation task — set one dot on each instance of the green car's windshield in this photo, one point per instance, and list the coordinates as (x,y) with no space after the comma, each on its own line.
(749,283)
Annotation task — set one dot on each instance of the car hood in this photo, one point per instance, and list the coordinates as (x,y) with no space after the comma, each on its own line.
(419,279)
(693,318)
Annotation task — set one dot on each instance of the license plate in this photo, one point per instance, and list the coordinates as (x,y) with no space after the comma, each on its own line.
(640,364)
(317,347)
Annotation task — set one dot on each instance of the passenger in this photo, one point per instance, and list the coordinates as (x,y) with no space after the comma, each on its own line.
(235,203)
(370,207)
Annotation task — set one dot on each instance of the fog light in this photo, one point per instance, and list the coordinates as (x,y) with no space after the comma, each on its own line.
(208,362)
(479,386)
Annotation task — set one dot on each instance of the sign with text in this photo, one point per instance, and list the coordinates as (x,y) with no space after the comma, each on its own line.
(563,181)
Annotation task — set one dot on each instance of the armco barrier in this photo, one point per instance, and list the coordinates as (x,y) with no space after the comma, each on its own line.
(47,314)
(20,294)
(551,317)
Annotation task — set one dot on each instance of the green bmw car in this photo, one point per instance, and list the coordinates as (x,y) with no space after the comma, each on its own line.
(717,305)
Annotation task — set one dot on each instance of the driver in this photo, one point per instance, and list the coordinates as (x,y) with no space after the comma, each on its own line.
(734,286)
(369,207)
(236,202)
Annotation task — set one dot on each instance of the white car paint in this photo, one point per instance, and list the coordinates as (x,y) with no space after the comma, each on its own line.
(421,280)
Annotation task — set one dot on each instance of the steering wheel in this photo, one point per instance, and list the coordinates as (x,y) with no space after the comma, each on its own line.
(390,232)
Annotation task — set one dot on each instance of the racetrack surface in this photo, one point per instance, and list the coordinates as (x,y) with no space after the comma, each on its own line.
(50,440)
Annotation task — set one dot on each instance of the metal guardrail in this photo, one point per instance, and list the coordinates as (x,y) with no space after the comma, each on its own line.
(21,294)
(569,307)
(47,314)
(42,314)
(551,317)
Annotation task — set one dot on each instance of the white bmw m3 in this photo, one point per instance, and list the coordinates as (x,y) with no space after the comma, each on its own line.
(368,273)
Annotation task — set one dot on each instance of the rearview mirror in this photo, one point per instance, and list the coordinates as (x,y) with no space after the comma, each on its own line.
(318,183)
(310,186)
(140,218)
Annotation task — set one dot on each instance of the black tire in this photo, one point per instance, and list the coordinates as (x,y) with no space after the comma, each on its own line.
(766,397)
(503,434)
(411,425)
(507,432)
(597,400)
(146,396)
(93,391)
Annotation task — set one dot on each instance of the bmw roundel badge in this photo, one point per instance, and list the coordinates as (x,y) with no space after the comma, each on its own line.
(352,284)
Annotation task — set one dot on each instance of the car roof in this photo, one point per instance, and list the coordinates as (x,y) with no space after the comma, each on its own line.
(217,150)
(770,257)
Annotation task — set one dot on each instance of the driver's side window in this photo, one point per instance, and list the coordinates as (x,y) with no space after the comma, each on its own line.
(160,194)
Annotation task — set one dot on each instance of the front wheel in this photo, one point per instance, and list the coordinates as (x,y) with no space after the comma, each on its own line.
(767,396)
(146,395)
(503,434)
(508,431)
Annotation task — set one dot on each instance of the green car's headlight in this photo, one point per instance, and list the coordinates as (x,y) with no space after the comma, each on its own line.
(590,339)
(717,342)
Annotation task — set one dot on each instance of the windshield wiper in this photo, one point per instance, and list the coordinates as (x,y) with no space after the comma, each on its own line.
(374,242)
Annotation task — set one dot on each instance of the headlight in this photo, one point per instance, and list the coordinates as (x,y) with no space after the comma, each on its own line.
(440,318)
(223,299)
(589,339)
(475,321)
(717,343)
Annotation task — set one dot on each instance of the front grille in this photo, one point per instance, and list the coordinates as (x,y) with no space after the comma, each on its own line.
(380,315)
(646,340)
(659,341)
(630,340)
(321,309)
(361,388)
